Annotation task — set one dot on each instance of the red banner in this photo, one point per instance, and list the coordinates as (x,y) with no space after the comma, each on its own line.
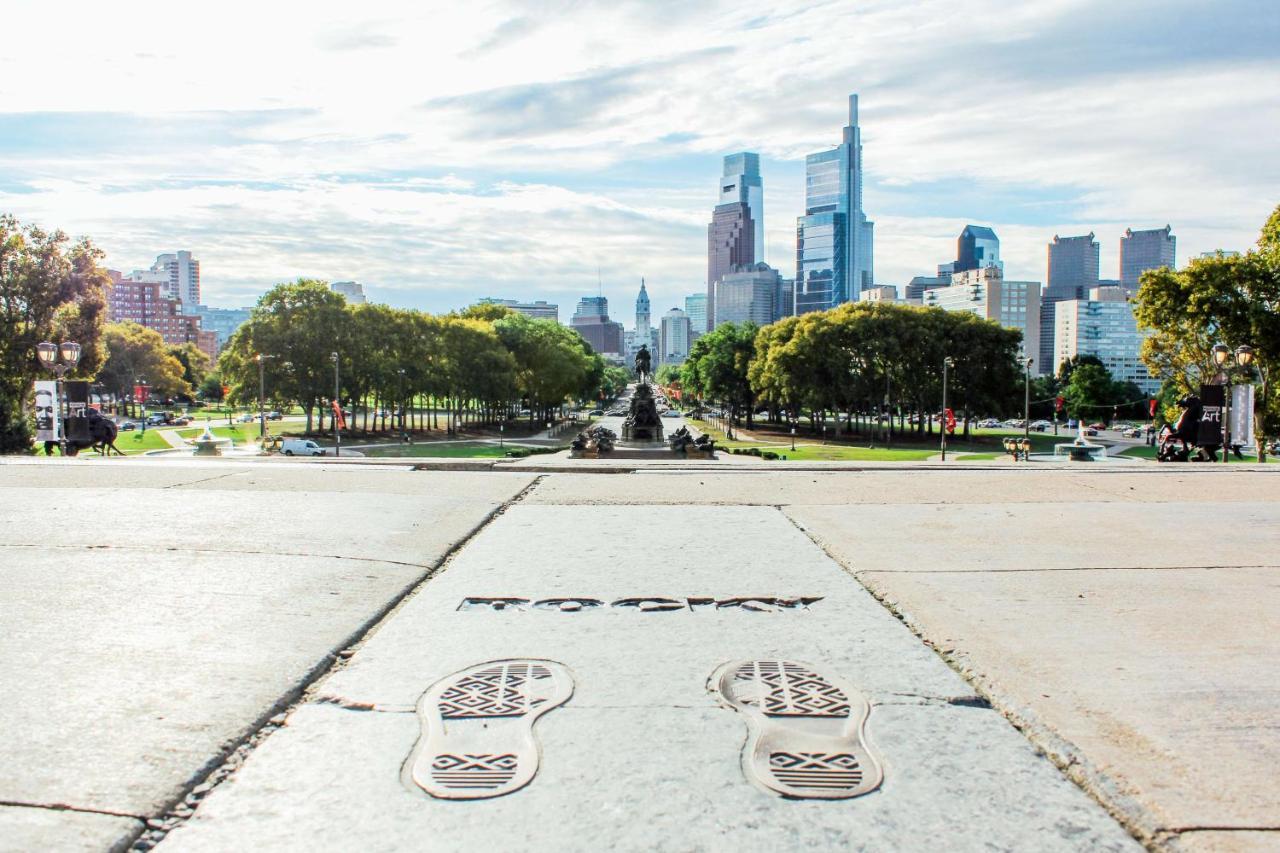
(1057,404)
(338,416)
(140,393)
(1154,404)
(951,420)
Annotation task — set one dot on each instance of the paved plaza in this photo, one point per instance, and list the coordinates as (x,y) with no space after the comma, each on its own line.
(224,654)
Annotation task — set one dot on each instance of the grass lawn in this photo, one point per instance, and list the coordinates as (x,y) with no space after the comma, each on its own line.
(463,450)
(239,433)
(982,445)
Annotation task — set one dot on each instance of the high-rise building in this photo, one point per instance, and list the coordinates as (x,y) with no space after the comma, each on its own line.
(178,272)
(352,290)
(695,305)
(642,311)
(986,292)
(591,320)
(834,240)
(879,293)
(747,294)
(730,243)
(539,310)
(674,338)
(741,183)
(784,304)
(977,248)
(223,322)
(1145,250)
(1073,271)
(148,304)
(1102,325)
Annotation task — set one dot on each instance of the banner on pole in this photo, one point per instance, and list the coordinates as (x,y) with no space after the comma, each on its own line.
(1241,414)
(1212,397)
(47,427)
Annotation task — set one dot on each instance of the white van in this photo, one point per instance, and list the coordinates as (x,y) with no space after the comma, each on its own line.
(301,447)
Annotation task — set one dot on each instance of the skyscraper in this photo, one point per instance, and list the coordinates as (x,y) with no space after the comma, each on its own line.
(352,290)
(977,247)
(748,295)
(1145,250)
(1073,271)
(1101,324)
(834,251)
(675,339)
(591,320)
(986,293)
(695,305)
(179,272)
(741,183)
(730,243)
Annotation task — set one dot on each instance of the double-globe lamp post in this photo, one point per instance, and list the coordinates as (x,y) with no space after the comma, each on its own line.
(1026,405)
(1243,358)
(947,364)
(337,408)
(48,354)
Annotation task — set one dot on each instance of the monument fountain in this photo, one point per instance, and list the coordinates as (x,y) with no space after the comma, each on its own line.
(1080,450)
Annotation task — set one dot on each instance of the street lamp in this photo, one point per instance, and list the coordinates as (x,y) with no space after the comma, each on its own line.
(400,399)
(1026,406)
(1243,357)
(48,354)
(262,396)
(337,408)
(793,437)
(947,364)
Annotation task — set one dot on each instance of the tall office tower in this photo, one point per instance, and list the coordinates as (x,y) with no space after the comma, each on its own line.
(977,248)
(591,320)
(695,305)
(784,302)
(352,290)
(1101,324)
(1145,250)
(741,183)
(730,243)
(182,274)
(1073,271)
(674,340)
(914,291)
(747,294)
(986,292)
(834,240)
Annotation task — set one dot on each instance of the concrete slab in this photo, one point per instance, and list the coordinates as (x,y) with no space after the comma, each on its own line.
(643,756)
(27,828)
(1165,681)
(151,628)
(1230,841)
(777,485)
(1036,536)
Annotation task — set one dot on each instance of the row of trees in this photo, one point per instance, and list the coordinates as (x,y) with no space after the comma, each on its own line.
(479,365)
(857,362)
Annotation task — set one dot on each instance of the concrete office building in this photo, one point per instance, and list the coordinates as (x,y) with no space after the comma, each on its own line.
(178,273)
(1145,250)
(674,338)
(1073,272)
(1102,325)
(986,293)
(879,293)
(591,320)
(540,310)
(834,240)
(352,290)
(913,293)
(747,295)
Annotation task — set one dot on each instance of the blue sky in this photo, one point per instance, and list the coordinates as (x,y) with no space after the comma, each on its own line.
(439,152)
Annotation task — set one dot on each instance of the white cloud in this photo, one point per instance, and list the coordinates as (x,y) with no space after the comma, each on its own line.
(442,151)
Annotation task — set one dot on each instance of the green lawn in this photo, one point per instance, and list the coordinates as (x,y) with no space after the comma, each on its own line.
(982,445)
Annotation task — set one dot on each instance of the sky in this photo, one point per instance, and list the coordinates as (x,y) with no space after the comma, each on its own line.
(440,152)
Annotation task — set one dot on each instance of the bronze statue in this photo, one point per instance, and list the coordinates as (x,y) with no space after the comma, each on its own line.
(643,362)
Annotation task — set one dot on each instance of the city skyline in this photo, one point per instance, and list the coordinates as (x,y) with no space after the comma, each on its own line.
(285,163)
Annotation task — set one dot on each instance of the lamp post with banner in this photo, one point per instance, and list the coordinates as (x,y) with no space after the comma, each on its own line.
(49,354)
(1222,355)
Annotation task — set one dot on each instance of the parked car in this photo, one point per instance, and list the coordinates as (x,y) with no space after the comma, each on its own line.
(274,416)
(157,420)
(671,413)
(128,425)
(1090,431)
(1133,432)
(1098,425)
(247,418)
(1041,425)
(301,447)
(597,413)
(180,421)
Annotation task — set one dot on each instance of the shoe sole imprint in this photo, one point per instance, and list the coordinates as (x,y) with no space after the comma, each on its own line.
(477,728)
(807,736)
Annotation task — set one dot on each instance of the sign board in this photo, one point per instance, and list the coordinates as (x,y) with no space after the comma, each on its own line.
(47,410)
(1213,397)
(1241,414)
(77,422)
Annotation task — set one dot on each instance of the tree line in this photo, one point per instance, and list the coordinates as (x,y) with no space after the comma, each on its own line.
(481,365)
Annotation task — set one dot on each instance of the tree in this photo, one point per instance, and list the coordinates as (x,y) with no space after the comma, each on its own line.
(195,363)
(47,292)
(210,389)
(718,366)
(137,353)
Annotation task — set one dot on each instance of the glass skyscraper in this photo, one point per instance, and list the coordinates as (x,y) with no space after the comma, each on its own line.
(741,183)
(834,240)
(735,236)
(977,248)
(1145,250)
